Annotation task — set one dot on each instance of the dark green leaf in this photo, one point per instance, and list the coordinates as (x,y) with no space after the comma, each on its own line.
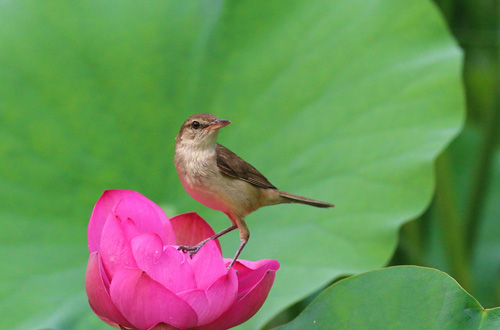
(404,297)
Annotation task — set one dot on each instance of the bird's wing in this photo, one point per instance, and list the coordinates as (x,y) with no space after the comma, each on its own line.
(231,164)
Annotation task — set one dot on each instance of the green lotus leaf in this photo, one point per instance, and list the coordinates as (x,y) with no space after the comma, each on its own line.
(403,297)
(343,101)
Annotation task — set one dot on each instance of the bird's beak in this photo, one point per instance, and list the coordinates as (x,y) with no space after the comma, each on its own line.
(218,124)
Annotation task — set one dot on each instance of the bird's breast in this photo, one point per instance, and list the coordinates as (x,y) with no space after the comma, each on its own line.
(202,180)
(201,177)
(195,165)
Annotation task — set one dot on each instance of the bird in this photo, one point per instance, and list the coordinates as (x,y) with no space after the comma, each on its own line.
(221,180)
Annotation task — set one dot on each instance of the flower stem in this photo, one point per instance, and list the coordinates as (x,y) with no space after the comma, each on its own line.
(490,123)
(450,222)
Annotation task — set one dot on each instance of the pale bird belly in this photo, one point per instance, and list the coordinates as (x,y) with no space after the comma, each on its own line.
(208,195)
(224,194)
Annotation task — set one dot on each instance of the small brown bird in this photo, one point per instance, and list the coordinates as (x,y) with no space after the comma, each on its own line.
(219,179)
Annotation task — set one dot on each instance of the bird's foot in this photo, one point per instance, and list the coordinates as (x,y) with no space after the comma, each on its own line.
(191,249)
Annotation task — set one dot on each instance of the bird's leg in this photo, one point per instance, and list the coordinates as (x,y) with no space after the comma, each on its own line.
(242,245)
(244,236)
(194,249)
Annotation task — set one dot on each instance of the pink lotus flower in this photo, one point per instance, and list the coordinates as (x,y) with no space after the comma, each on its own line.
(137,279)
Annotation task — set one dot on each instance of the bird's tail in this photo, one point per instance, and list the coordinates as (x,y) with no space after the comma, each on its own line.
(291,198)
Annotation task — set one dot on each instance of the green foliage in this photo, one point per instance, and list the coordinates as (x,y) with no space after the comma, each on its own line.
(404,297)
(344,101)
(460,236)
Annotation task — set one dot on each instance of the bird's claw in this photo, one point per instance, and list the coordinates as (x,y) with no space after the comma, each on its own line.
(191,249)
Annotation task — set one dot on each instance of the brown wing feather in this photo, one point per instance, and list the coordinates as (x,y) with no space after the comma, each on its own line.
(231,164)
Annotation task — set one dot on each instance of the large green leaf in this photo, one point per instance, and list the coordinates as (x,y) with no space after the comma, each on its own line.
(343,101)
(404,297)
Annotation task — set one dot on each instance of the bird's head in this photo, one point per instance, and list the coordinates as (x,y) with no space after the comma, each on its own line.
(201,130)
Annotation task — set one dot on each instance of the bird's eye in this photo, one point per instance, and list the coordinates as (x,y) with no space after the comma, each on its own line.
(195,125)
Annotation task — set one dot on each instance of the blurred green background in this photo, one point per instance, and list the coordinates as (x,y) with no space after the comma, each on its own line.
(460,231)
(347,102)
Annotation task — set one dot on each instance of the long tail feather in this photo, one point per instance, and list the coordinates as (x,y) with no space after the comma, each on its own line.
(303,200)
